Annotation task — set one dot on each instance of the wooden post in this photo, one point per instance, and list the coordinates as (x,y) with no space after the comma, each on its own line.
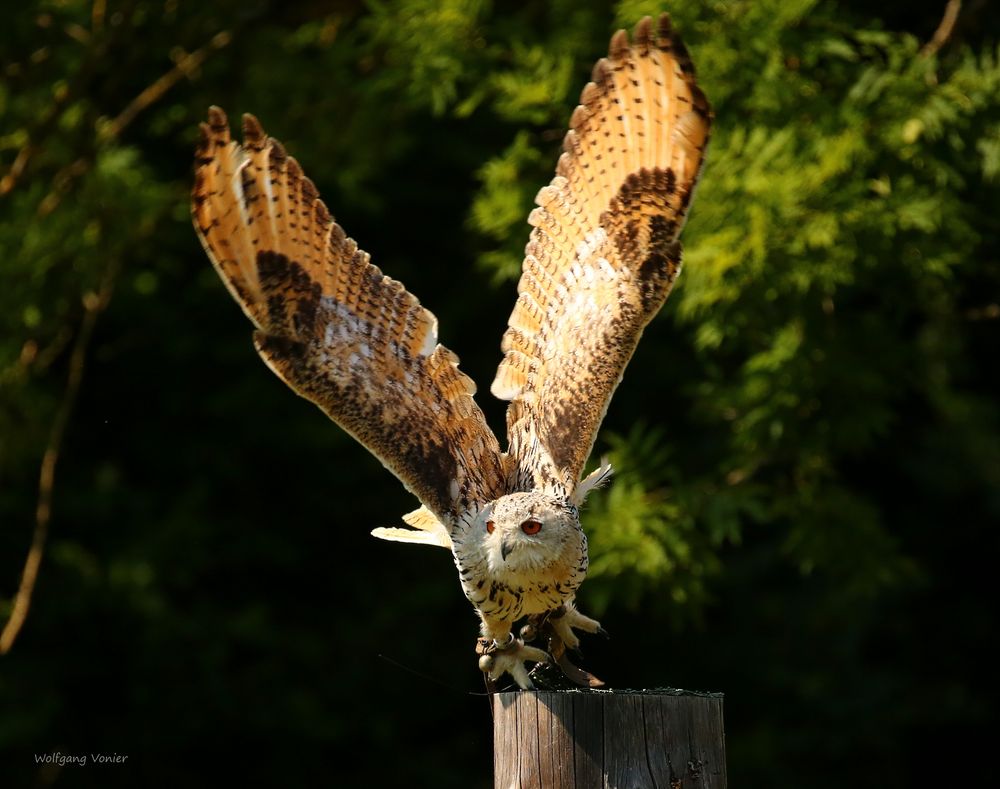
(586,739)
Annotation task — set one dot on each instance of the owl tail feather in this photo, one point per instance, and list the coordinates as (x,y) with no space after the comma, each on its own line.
(427,530)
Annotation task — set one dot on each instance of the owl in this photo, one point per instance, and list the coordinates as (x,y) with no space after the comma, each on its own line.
(602,257)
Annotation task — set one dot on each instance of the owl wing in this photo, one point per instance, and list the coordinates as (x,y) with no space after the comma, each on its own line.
(604,251)
(334,328)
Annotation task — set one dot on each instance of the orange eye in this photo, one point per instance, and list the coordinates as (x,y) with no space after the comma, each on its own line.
(490,526)
(531,527)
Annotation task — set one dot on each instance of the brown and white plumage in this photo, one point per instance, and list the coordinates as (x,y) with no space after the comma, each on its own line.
(604,251)
(334,328)
(601,260)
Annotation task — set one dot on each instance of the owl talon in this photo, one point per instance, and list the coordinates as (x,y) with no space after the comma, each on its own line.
(567,618)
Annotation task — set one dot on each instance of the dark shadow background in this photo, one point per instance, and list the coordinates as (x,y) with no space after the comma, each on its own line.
(211,604)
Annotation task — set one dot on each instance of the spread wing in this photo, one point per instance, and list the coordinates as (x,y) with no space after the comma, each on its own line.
(334,328)
(604,251)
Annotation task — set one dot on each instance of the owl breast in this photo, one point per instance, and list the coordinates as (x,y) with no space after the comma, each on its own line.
(505,595)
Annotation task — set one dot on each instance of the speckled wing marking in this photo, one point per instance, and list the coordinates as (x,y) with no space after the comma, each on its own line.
(334,328)
(604,251)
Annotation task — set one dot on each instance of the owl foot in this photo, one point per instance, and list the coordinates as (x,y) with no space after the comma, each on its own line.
(556,629)
(567,617)
(496,659)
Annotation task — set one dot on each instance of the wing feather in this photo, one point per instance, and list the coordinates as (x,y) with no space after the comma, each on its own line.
(604,250)
(424,529)
(334,328)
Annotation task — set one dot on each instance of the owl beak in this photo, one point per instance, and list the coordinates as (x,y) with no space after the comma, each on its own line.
(506,547)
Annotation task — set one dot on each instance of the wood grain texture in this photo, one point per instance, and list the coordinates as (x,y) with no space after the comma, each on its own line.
(608,740)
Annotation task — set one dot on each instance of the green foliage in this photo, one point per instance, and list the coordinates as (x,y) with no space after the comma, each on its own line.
(806,444)
(427,46)
(850,176)
(501,202)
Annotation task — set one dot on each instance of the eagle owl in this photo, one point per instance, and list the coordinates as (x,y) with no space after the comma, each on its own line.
(602,257)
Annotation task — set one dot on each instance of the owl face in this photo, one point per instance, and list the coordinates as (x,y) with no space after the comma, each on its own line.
(525,532)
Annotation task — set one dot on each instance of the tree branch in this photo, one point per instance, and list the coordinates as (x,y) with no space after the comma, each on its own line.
(94,304)
(184,67)
(944,29)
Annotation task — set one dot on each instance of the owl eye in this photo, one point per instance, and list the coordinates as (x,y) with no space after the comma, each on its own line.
(531,527)
(490,526)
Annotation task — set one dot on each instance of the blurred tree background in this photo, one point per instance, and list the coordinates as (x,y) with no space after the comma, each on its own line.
(808,439)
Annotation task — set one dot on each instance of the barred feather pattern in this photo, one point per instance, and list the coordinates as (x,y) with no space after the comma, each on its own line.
(604,251)
(335,329)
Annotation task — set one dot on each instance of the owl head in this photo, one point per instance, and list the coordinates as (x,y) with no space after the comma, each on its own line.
(524,532)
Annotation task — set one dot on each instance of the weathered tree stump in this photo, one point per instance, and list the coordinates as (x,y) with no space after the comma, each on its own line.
(661,739)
